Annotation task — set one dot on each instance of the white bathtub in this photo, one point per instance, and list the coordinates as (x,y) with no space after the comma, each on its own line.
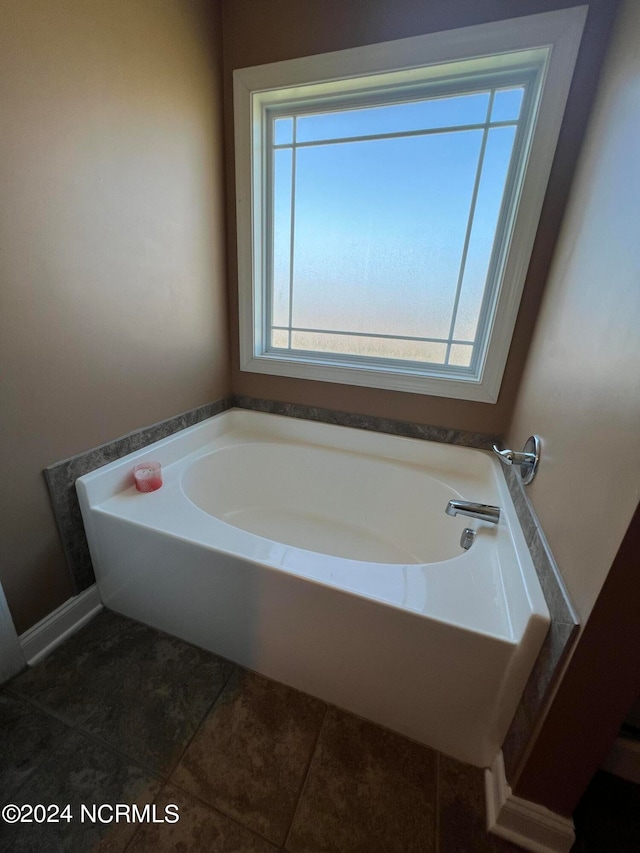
(321,556)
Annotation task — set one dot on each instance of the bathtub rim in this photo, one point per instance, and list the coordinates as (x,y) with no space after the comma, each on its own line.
(111,479)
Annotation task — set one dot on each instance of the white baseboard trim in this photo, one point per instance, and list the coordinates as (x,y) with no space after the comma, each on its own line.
(623,759)
(41,640)
(521,822)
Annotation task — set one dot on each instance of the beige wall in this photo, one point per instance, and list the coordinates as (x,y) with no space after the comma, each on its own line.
(113,307)
(256,31)
(581,385)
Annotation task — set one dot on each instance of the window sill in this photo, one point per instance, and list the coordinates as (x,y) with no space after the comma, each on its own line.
(461,387)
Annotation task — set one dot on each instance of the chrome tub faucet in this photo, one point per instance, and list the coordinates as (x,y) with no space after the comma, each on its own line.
(527,460)
(484,512)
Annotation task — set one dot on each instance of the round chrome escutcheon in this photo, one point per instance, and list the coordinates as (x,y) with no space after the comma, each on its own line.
(528,469)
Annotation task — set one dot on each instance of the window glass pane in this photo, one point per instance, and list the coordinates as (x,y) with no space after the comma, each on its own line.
(423,351)
(506,104)
(379,233)
(460,355)
(394,118)
(279,338)
(282,159)
(490,192)
(283,131)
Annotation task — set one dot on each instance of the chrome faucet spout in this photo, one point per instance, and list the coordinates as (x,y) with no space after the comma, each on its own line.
(484,512)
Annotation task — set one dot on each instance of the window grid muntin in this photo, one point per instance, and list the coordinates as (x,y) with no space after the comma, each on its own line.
(525,77)
(373,137)
(432,340)
(470,219)
(506,218)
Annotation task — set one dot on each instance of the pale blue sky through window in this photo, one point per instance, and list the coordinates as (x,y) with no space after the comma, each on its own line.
(380,223)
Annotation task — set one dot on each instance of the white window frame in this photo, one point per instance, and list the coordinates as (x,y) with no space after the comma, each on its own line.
(549,40)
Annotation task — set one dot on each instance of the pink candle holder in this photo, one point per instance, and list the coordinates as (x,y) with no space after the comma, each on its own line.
(148,476)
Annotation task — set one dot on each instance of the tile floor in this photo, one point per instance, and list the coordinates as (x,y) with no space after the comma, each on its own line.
(122,713)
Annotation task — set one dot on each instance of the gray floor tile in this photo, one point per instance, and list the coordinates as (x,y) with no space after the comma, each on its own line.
(72,681)
(132,686)
(199,830)
(251,754)
(368,791)
(158,697)
(79,771)
(27,735)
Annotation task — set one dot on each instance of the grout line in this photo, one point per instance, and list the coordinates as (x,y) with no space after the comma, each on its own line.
(217,809)
(42,707)
(306,776)
(165,774)
(58,715)
(192,794)
(210,708)
(142,825)
(113,748)
(136,832)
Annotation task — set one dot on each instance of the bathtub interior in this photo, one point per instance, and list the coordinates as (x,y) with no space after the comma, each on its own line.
(330,501)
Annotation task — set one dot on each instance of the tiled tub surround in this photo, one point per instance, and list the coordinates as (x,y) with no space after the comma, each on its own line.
(253,766)
(321,556)
(61,481)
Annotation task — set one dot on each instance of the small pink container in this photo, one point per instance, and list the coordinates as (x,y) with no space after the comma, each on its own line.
(148,476)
